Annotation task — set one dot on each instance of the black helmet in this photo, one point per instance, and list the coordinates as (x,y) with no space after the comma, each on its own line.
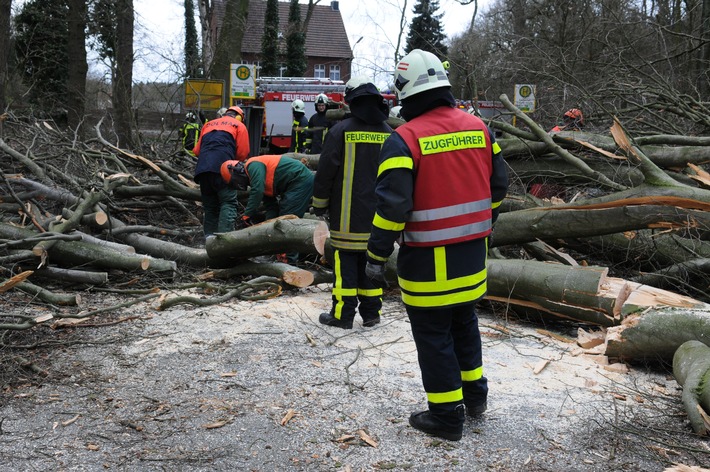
(234,174)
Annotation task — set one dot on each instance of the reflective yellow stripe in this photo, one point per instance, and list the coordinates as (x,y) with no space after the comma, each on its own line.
(496,204)
(344,292)
(388,225)
(445,397)
(320,202)
(351,236)
(428,301)
(347,195)
(376,257)
(396,163)
(348,245)
(472,375)
(440,264)
(443,285)
(373,292)
(338,310)
(452,142)
(496,148)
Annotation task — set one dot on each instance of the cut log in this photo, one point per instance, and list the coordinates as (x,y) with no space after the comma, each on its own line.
(291,275)
(655,334)
(72,276)
(79,253)
(643,322)
(691,368)
(283,234)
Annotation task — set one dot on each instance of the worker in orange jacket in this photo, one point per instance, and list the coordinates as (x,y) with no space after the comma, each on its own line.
(222,139)
(573,121)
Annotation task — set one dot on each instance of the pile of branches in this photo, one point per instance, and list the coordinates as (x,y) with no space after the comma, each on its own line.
(85,213)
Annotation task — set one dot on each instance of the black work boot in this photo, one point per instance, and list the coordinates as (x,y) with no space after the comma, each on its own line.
(330,320)
(474,411)
(370,322)
(429,423)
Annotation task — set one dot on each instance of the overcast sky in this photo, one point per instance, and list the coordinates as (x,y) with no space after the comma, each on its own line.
(160,33)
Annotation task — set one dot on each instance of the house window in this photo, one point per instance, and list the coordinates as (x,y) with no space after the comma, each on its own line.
(319,71)
(334,72)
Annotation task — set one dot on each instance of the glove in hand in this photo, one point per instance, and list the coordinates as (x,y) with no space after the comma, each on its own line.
(376,272)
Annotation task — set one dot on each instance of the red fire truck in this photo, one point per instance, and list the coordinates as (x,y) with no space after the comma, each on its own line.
(276,94)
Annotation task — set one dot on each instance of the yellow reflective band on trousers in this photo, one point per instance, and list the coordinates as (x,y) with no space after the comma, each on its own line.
(338,291)
(443,291)
(402,162)
(385,224)
(373,292)
(452,142)
(472,375)
(445,397)
(496,148)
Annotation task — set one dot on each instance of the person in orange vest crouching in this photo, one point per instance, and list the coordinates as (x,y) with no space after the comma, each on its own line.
(222,139)
(283,184)
(573,120)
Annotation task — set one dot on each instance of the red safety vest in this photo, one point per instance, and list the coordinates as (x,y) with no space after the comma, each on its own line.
(271,161)
(453,165)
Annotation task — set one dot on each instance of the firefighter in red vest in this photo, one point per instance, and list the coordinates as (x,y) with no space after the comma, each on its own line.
(440,183)
(222,139)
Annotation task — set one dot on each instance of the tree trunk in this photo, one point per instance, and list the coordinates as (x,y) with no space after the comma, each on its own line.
(691,368)
(5,10)
(284,234)
(76,80)
(79,253)
(122,87)
(289,274)
(207,29)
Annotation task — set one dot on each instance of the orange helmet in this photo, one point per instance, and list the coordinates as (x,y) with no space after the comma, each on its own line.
(575,114)
(238,111)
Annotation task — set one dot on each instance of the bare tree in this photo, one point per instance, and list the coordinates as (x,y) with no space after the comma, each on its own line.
(5,8)
(209,33)
(78,67)
(122,87)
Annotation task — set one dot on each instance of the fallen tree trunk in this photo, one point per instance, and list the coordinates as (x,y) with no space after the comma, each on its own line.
(643,322)
(289,274)
(608,216)
(79,253)
(283,234)
(691,368)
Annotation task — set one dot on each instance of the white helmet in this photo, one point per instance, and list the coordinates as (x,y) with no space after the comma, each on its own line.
(418,72)
(395,112)
(298,105)
(359,86)
(322,98)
